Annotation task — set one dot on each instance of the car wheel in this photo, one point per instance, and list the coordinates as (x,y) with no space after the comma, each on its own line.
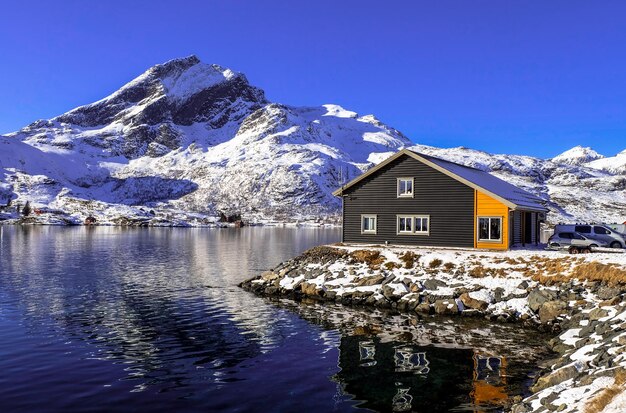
(585,250)
(593,246)
(573,250)
(616,244)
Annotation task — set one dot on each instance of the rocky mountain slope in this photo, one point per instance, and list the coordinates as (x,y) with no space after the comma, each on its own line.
(186,140)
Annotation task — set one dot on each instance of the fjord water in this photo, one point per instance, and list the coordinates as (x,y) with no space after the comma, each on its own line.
(114,319)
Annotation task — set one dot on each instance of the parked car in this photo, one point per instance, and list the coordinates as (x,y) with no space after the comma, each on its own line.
(571,241)
(621,228)
(601,234)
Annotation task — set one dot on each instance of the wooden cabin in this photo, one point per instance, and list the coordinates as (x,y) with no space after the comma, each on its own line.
(416,199)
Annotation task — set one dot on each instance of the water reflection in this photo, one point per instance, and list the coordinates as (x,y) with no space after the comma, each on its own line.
(401,363)
(160,304)
(151,319)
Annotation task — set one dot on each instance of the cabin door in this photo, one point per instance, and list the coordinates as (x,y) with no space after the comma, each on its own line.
(528,228)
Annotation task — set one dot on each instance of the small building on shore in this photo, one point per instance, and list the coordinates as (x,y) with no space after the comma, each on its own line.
(416,199)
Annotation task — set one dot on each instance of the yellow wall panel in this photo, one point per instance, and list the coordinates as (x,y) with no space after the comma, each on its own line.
(489,207)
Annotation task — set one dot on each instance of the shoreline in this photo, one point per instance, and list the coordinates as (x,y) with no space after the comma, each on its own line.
(580,299)
(167,224)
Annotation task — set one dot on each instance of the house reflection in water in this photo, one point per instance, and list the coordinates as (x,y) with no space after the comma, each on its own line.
(367,353)
(404,377)
(489,380)
(407,360)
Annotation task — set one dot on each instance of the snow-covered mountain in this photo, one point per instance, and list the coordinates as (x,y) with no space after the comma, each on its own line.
(190,138)
(186,140)
(614,164)
(578,155)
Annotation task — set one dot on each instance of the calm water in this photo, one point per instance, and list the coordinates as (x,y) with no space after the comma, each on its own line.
(112,319)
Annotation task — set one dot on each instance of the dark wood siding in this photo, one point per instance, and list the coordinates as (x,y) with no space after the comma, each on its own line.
(449,203)
(517,227)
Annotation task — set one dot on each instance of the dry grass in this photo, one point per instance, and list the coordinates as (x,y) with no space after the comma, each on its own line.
(448,266)
(595,271)
(390,265)
(435,263)
(370,257)
(508,260)
(409,258)
(599,402)
(555,273)
(479,271)
(552,266)
(322,253)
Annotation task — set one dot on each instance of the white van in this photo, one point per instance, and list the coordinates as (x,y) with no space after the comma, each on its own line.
(621,228)
(605,236)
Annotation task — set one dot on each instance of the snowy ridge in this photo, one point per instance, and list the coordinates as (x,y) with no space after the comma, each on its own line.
(578,155)
(186,140)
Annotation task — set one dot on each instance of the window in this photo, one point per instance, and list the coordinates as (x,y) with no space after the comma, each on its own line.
(421,224)
(413,224)
(405,224)
(405,187)
(490,229)
(368,224)
(601,230)
(583,229)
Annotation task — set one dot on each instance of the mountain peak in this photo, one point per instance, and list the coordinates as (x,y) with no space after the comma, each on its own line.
(182,77)
(577,155)
(183,90)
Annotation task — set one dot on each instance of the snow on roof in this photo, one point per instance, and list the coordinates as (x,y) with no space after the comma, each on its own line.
(511,193)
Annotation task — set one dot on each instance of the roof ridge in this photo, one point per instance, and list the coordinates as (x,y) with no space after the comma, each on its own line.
(444,160)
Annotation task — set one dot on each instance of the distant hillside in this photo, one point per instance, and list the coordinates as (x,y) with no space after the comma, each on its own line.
(186,140)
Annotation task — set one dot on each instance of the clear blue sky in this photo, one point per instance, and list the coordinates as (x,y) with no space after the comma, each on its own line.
(530,77)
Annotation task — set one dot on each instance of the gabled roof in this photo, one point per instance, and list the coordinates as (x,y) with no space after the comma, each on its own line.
(510,195)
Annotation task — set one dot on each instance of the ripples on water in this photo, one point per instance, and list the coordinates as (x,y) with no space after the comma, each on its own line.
(112,319)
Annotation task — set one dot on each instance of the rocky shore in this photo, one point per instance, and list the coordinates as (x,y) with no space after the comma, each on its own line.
(581,299)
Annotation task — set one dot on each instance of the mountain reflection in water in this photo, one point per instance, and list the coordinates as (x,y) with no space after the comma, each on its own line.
(151,319)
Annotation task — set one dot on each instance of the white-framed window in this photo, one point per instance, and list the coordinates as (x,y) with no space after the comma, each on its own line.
(413,224)
(405,187)
(405,224)
(489,228)
(368,224)
(422,224)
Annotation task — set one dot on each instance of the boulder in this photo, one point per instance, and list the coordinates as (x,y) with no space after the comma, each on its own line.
(310,289)
(607,293)
(271,290)
(550,310)
(269,276)
(445,307)
(423,308)
(394,292)
(433,284)
(498,294)
(555,378)
(537,297)
(473,303)
(611,301)
(359,296)
(371,280)
(597,313)
(330,295)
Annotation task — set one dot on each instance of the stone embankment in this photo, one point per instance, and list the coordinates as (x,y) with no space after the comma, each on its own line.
(579,298)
